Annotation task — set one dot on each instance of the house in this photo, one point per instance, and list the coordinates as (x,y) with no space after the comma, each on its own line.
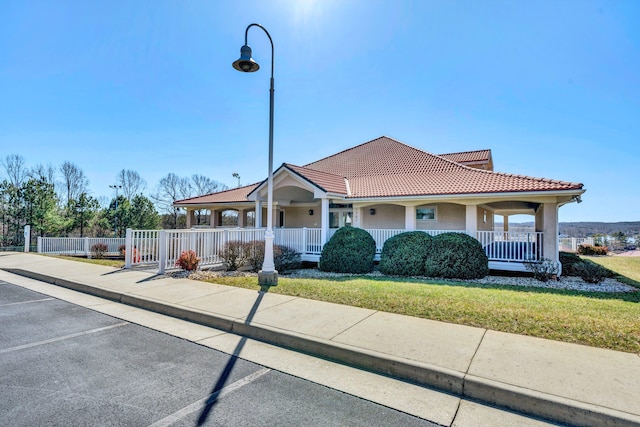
(388,187)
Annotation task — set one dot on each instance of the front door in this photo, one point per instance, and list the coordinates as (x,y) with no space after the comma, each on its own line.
(340,218)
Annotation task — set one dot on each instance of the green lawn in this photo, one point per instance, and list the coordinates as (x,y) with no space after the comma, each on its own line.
(596,319)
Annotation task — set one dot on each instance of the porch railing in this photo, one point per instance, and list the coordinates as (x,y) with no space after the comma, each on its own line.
(512,246)
(163,247)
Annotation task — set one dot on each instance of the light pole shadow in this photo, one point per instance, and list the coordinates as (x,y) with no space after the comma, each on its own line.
(228,369)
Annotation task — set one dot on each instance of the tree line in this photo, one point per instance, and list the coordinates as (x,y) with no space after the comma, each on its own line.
(56,201)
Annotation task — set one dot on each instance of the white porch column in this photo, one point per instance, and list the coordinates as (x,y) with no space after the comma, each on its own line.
(550,229)
(191,218)
(241,217)
(258,218)
(212,217)
(505,221)
(357,217)
(410,218)
(471,221)
(324,220)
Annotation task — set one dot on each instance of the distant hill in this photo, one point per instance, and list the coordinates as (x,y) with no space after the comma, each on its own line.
(586,229)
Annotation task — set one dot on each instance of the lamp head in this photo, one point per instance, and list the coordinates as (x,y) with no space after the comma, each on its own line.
(246,64)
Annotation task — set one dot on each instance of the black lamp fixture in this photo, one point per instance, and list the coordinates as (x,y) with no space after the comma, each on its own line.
(372,211)
(310,211)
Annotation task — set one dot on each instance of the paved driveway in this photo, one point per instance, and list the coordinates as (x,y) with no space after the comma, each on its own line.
(62,364)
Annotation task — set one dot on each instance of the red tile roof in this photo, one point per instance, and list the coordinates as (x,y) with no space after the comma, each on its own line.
(326,181)
(478,156)
(234,195)
(385,167)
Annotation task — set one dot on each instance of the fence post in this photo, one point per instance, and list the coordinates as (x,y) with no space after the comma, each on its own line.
(27,237)
(162,251)
(128,253)
(304,241)
(39,249)
(87,249)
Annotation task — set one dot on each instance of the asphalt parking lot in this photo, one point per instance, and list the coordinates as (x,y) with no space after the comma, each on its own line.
(62,364)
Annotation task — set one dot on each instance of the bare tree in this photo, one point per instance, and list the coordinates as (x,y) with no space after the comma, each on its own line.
(74,182)
(201,185)
(46,173)
(132,183)
(14,169)
(171,188)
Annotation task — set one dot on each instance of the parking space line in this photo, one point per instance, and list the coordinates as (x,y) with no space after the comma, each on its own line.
(65,337)
(196,406)
(26,302)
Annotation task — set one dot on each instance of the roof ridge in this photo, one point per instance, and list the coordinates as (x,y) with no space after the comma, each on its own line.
(365,143)
(516,175)
(465,152)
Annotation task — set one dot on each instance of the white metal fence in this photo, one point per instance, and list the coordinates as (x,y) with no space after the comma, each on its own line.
(80,246)
(571,244)
(163,247)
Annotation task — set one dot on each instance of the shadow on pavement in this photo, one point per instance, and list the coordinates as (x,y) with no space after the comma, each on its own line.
(226,373)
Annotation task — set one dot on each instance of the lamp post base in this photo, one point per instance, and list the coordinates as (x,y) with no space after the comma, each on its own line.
(268,278)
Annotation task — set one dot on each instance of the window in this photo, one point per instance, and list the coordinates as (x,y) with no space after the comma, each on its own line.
(426,214)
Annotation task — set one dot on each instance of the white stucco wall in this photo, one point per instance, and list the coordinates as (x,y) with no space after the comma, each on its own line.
(449,216)
(386,216)
(299,217)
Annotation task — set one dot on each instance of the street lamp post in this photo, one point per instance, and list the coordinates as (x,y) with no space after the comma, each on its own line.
(268,276)
(115,214)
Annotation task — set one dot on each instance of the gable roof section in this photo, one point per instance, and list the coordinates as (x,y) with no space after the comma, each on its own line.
(471,158)
(234,195)
(381,156)
(327,182)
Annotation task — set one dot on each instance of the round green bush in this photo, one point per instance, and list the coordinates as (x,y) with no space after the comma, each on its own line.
(350,250)
(456,256)
(404,254)
(568,261)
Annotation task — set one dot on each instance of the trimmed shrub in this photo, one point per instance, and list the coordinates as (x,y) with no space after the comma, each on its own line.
(592,250)
(284,258)
(405,254)
(591,272)
(568,261)
(234,254)
(456,256)
(543,270)
(350,250)
(188,260)
(255,254)
(98,250)
(122,249)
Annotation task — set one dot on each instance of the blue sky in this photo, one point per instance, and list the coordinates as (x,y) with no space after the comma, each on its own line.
(551,87)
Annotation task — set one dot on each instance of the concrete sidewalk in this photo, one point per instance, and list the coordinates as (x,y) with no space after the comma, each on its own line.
(561,382)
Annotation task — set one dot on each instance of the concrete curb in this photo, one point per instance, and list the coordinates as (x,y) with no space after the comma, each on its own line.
(531,402)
